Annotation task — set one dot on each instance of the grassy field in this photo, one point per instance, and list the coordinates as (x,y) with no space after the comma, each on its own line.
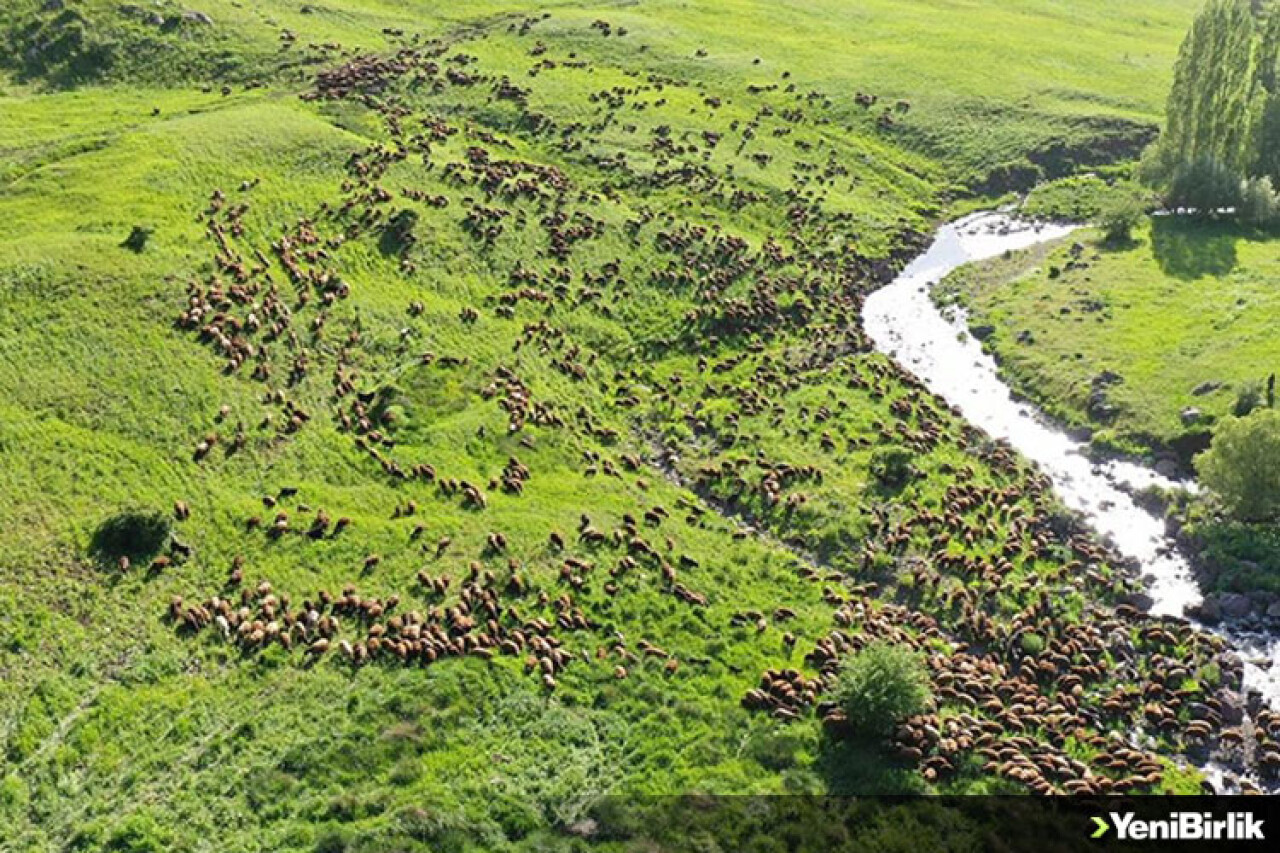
(1178,320)
(563,307)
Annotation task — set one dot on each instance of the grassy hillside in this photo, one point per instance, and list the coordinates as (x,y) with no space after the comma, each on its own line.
(1000,92)
(523,349)
(1179,321)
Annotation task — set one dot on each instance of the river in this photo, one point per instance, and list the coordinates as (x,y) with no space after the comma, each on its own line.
(903,321)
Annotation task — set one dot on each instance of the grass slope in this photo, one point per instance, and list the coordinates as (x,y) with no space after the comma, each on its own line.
(1030,83)
(668,314)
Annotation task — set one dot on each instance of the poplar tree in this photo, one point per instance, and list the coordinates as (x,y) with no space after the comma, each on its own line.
(1267,140)
(1208,114)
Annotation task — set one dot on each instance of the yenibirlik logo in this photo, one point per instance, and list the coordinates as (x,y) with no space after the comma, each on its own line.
(1182,826)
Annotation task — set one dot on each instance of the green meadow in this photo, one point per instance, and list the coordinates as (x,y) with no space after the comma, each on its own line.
(648,305)
(1183,315)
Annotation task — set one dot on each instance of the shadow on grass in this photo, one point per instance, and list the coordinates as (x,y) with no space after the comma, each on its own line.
(1189,249)
(397,236)
(852,767)
(136,534)
(1119,243)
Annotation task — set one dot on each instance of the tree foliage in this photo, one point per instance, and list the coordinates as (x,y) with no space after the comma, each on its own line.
(1207,113)
(880,686)
(1268,138)
(1243,465)
(1204,184)
(1222,116)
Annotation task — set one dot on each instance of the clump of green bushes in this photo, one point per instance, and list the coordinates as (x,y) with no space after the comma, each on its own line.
(1242,466)
(880,686)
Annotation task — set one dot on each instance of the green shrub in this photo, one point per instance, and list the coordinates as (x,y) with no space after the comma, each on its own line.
(136,534)
(777,750)
(333,840)
(1248,398)
(1032,644)
(1074,199)
(139,833)
(1243,465)
(880,686)
(1258,203)
(1204,185)
(892,468)
(1118,217)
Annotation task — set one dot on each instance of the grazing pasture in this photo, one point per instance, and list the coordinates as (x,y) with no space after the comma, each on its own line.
(1181,315)
(420,423)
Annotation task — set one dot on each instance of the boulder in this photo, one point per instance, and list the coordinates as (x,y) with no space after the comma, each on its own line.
(1206,611)
(1138,601)
(1191,415)
(1100,408)
(983,331)
(1234,605)
(1205,388)
(1232,704)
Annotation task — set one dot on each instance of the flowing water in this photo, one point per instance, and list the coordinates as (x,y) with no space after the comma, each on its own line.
(904,323)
